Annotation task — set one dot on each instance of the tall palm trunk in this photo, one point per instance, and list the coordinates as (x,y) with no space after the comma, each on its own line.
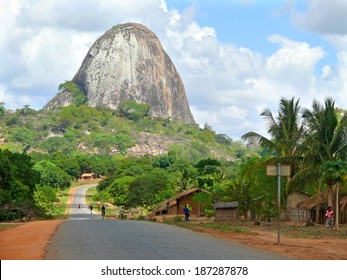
(330,195)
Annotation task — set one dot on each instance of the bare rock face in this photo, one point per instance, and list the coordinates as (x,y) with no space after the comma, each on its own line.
(129,63)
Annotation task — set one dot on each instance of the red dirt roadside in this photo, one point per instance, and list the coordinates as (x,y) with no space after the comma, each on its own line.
(28,241)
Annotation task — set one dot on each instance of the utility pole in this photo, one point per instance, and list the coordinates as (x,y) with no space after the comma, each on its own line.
(278,170)
(278,203)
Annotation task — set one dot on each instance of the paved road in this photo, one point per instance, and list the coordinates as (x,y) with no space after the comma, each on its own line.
(85,236)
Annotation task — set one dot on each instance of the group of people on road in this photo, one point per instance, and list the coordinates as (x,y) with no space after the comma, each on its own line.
(103,210)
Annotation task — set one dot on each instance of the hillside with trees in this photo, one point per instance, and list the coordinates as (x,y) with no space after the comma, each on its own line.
(43,152)
(127,146)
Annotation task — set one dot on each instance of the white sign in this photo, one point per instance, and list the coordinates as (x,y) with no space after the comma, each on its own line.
(285,170)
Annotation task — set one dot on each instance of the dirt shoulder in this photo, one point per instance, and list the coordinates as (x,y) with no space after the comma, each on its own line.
(324,248)
(28,241)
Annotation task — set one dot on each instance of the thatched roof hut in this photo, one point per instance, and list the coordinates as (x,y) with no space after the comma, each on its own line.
(316,200)
(343,202)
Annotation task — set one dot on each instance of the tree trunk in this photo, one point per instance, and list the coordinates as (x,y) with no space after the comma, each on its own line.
(330,196)
(337,206)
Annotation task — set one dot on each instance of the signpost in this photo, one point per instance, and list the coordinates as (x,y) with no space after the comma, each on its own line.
(279,170)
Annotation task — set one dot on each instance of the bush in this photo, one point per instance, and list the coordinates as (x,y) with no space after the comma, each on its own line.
(23,211)
(208,213)
(140,218)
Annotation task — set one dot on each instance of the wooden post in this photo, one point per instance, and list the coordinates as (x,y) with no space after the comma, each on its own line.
(337,206)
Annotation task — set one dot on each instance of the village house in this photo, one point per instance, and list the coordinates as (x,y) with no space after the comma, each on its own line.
(89,177)
(175,204)
(226,211)
(293,213)
(313,208)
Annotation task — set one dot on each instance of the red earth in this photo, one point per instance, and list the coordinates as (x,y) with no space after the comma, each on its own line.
(28,241)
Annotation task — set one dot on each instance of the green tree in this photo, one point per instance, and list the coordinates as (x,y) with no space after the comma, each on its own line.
(223,139)
(2,109)
(285,130)
(164,162)
(78,97)
(325,140)
(24,135)
(186,180)
(123,142)
(286,134)
(51,175)
(119,190)
(333,173)
(26,110)
(151,188)
(133,110)
(17,177)
(45,197)
(56,144)
(67,163)
(203,200)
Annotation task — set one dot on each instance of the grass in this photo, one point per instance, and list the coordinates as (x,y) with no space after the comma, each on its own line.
(7,226)
(223,227)
(317,231)
(292,230)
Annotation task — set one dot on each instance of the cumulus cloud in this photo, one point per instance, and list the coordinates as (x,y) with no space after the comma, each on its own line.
(327,18)
(321,16)
(42,44)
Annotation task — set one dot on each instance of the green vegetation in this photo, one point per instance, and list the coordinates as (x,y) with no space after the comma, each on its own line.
(78,98)
(43,153)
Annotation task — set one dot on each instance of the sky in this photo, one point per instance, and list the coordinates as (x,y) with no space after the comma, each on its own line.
(236,58)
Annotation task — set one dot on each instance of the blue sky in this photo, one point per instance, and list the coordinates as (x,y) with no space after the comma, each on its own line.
(249,24)
(236,58)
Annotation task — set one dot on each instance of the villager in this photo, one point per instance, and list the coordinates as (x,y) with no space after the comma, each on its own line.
(329,223)
(122,214)
(186,213)
(103,211)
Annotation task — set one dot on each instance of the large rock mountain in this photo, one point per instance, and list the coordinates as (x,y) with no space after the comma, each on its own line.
(129,63)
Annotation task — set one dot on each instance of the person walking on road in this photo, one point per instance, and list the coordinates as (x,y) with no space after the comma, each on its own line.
(186,213)
(103,211)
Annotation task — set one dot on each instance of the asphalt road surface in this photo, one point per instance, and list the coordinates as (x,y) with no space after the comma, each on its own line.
(86,236)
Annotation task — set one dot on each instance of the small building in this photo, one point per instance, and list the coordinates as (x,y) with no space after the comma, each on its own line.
(343,210)
(293,213)
(226,211)
(175,204)
(314,207)
(89,177)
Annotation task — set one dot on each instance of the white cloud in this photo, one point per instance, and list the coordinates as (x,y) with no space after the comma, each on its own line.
(42,43)
(324,17)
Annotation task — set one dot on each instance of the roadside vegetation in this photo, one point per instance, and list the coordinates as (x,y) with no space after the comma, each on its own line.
(42,155)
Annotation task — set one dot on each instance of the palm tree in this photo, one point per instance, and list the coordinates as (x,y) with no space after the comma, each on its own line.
(285,130)
(325,140)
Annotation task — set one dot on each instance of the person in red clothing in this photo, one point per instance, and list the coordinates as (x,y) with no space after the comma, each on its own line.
(329,223)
